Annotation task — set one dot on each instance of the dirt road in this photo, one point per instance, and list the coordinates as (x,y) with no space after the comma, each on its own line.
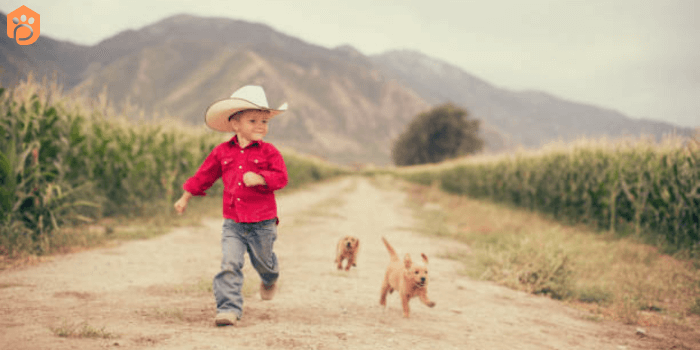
(153,294)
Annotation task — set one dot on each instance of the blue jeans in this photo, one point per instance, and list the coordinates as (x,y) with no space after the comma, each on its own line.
(257,239)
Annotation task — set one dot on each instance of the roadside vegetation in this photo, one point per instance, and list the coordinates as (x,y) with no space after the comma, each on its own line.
(75,173)
(619,278)
(630,187)
(82,330)
(441,133)
(610,227)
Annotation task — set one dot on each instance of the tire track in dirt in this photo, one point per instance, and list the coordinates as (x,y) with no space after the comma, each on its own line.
(152,293)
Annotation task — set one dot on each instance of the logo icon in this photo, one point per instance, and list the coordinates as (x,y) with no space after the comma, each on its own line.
(23,25)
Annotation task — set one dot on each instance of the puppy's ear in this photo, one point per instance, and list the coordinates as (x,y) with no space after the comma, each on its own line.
(357,243)
(425,258)
(407,261)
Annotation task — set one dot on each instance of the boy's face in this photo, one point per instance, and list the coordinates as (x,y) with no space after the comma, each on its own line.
(251,125)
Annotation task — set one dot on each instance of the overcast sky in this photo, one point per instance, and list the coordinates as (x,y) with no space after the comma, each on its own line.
(639,57)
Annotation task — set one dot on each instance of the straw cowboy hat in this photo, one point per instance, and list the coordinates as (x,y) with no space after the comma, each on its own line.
(247,97)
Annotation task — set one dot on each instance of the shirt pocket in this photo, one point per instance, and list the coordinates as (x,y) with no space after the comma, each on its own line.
(257,163)
(227,162)
(228,169)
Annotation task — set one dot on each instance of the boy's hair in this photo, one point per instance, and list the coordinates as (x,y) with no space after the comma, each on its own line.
(237,115)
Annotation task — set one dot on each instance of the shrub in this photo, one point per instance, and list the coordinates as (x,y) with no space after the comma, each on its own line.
(441,133)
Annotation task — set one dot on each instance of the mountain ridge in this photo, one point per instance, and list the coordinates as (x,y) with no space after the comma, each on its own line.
(532,118)
(344,106)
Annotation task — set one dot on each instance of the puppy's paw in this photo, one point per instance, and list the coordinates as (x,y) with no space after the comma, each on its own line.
(431,304)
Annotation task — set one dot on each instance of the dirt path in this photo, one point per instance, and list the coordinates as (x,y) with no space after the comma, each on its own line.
(152,294)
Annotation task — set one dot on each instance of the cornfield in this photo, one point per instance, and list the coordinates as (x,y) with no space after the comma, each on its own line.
(66,161)
(639,185)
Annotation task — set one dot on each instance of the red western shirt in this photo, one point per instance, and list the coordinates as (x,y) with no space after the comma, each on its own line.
(229,162)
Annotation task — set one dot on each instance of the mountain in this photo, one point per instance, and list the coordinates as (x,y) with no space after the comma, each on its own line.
(528,118)
(46,57)
(344,106)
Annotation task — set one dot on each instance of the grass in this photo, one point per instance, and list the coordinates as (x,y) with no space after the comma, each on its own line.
(81,330)
(172,313)
(695,308)
(631,186)
(612,277)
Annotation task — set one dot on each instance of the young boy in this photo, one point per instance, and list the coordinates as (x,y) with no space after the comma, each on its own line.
(251,171)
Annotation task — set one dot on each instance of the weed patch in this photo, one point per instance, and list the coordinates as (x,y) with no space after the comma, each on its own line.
(81,330)
(618,278)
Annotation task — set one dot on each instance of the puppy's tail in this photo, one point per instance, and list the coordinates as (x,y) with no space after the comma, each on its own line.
(392,252)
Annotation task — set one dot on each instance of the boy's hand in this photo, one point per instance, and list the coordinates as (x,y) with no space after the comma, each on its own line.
(181,203)
(251,179)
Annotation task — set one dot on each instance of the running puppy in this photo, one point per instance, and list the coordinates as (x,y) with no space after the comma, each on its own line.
(408,279)
(347,249)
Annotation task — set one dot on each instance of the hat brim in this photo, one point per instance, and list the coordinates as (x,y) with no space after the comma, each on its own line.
(218,113)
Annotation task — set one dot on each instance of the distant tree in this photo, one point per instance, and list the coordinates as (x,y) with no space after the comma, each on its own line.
(433,136)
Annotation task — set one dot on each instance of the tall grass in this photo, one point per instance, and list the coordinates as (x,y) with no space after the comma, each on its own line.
(634,186)
(65,160)
(614,278)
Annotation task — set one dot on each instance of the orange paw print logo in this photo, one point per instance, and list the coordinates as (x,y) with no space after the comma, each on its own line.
(23,25)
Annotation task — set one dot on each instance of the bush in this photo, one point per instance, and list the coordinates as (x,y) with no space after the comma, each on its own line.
(436,135)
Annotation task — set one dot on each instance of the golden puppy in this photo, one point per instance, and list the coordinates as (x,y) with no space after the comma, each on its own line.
(408,279)
(347,249)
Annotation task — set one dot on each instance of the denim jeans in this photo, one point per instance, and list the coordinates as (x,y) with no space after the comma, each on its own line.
(257,239)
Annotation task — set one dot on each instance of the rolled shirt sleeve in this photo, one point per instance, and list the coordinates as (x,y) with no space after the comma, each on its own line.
(275,175)
(206,175)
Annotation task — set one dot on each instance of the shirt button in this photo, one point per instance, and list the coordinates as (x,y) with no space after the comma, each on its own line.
(238,199)
(239,184)
(240,167)
(241,151)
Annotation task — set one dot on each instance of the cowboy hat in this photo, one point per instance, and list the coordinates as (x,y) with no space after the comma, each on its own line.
(247,97)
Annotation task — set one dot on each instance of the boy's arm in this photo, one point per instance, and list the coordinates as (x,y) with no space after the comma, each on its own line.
(181,203)
(275,176)
(206,175)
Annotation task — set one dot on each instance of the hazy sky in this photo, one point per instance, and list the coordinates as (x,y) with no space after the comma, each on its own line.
(639,57)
